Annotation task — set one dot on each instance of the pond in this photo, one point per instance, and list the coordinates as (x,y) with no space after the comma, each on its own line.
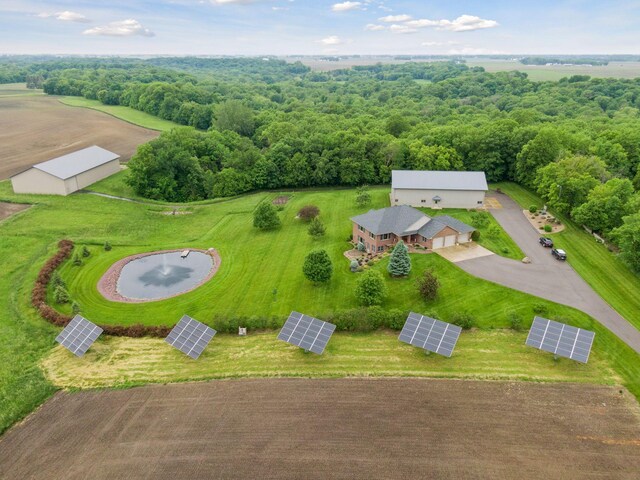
(163,275)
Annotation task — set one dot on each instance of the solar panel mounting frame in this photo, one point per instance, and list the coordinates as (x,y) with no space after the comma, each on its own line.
(306,332)
(79,335)
(560,339)
(190,336)
(430,334)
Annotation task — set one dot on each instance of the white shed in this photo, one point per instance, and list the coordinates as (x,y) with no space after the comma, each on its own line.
(68,173)
(437,189)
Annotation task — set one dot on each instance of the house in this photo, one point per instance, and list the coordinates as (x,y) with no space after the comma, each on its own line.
(379,230)
(421,188)
(68,173)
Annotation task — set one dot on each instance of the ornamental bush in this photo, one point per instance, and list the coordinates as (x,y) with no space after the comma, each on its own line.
(464,320)
(265,217)
(428,285)
(316,228)
(533,208)
(548,228)
(400,262)
(60,295)
(308,212)
(317,266)
(371,288)
(107,246)
(85,251)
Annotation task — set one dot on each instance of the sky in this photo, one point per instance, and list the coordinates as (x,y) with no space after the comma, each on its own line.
(318,27)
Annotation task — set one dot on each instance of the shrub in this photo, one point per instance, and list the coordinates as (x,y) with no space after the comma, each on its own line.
(60,295)
(400,262)
(316,228)
(371,288)
(533,208)
(475,235)
(464,320)
(479,219)
(107,246)
(361,247)
(540,308)
(308,212)
(85,251)
(515,321)
(317,266)
(354,265)
(265,217)
(428,285)
(77,260)
(505,250)
(493,231)
(57,281)
(548,228)
(75,308)
(363,197)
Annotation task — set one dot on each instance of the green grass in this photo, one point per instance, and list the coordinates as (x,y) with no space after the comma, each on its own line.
(17,89)
(502,243)
(127,114)
(556,72)
(601,269)
(253,265)
(495,354)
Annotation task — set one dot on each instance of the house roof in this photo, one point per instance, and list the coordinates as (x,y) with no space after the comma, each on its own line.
(437,180)
(77,162)
(404,220)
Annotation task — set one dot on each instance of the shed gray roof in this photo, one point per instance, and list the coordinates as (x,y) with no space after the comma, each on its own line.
(404,220)
(437,180)
(78,162)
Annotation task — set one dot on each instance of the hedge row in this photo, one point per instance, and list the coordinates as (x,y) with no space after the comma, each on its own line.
(39,301)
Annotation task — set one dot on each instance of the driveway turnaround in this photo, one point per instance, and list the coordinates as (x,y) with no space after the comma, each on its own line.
(330,429)
(545,276)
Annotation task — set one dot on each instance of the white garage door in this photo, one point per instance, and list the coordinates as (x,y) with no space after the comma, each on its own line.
(449,240)
(463,238)
(438,242)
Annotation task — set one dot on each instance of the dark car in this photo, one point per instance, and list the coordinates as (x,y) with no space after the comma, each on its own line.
(559,254)
(546,242)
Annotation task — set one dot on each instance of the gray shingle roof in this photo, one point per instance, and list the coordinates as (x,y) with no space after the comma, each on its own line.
(405,220)
(436,180)
(78,162)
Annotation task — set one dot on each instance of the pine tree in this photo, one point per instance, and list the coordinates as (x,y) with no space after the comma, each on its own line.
(316,228)
(77,260)
(60,295)
(85,251)
(107,246)
(75,308)
(57,281)
(400,262)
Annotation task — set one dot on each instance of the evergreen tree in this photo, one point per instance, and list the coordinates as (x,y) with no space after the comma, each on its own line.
(77,260)
(57,281)
(400,262)
(317,266)
(85,251)
(266,217)
(75,308)
(316,228)
(107,246)
(60,295)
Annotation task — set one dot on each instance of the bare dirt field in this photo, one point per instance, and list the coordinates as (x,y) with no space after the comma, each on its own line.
(36,128)
(330,428)
(8,209)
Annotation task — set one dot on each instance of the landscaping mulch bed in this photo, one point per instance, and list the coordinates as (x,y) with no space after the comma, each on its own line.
(108,283)
(542,220)
(281,200)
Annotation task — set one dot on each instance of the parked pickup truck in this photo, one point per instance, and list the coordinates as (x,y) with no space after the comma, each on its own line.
(559,254)
(546,242)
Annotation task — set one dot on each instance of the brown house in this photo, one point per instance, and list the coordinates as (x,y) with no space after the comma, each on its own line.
(379,230)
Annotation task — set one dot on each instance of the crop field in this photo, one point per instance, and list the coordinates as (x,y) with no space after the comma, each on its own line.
(556,72)
(35,128)
(330,428)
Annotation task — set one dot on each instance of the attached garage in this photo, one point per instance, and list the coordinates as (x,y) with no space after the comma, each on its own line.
(438,242)
(68,173)
(450,240)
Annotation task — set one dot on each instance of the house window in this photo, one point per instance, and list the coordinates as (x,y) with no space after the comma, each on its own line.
(361,228)
(423,239)
(423,201)
(372,235)
(380,248)
(396,200)
(384,236)
(360,239)
(479,202)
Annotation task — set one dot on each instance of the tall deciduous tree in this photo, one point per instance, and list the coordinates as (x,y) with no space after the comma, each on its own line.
(235,116)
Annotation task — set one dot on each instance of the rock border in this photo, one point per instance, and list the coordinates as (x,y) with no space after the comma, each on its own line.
(108,283)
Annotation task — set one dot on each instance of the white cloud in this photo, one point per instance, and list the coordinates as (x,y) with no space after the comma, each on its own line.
(66,16)
(395,18)
(466,50)
(231,2)
(125,28)
(331,40)
(402,28)
(421,23)
(466,23)
(373,27)
(346,6)
(432,44)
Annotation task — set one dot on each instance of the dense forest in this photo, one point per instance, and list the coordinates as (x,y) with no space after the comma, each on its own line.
(264,123)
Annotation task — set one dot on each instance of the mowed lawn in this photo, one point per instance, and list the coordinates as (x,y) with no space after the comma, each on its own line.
(603,270)
(127,114)
(260,275)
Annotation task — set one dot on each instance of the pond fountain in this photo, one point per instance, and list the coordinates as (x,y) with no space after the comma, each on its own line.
(162,275)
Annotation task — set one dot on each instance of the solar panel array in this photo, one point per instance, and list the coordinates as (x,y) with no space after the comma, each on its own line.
(560,339)
(306,332)
(78,335)
(430,334)
(190,336)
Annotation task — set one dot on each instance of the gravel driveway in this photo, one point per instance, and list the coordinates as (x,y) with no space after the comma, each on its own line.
(545,276)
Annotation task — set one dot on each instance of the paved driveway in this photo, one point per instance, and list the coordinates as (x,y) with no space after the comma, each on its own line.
(545,276)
